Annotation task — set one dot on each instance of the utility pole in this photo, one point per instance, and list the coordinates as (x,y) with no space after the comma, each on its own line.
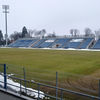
(6,7)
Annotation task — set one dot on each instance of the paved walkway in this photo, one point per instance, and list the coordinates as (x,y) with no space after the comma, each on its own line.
(5,96)
(8,95)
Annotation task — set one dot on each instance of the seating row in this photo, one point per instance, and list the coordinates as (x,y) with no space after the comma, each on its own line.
(77,43)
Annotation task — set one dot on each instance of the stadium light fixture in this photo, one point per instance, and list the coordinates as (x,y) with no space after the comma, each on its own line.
(5,8)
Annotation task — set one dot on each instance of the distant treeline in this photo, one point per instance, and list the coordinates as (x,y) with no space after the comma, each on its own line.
(29,33)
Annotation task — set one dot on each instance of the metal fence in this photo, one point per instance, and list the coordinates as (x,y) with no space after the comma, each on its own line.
(55,94)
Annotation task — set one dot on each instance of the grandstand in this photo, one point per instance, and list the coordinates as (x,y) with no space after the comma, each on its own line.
(47,43)
(86,43)
(58,42)
(97,44)
(23,43)
(74,43)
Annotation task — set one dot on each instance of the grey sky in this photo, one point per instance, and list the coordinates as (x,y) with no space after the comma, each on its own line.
(53,15)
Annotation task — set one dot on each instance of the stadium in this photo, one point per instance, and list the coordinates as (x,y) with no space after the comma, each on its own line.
(60,42)
(70,63)
(46,61)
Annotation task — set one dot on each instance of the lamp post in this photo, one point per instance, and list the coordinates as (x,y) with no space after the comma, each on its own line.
(6,7)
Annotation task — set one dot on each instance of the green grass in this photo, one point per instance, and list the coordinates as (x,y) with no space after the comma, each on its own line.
(43,64)
(47,62)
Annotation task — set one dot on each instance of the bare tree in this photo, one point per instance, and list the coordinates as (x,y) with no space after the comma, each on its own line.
(51,35)
(30,33)
(1,35)
(37,33)
(43,32)
(88,31)
(74,32)
(40,33)
(16,35)
(97,34)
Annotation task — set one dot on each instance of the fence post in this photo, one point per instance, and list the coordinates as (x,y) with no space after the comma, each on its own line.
(5,77)
(61,94)
(38,91)
(24,72)
(20,86)
(99,89)
(56,85)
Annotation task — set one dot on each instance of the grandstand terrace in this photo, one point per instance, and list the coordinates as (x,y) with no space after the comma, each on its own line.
(78,42)
(97,44)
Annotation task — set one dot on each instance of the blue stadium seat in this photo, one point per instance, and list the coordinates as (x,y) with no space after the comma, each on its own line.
(77,43)
(97,45)
(85,43)
(47,43)
(23,43)
(36,45)
(74,43)
(59,43)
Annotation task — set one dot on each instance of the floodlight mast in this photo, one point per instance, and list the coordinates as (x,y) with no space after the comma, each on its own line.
(6,7)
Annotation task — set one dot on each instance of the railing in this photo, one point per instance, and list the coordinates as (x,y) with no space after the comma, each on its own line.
(58,93)
(56,97)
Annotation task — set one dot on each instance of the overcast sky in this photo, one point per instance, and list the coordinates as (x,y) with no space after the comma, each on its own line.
(53,15)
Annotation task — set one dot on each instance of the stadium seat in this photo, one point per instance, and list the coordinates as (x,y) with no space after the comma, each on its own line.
(23,43)
(47,43)
(97,45)
(59,43)
(86,43)
(74,43)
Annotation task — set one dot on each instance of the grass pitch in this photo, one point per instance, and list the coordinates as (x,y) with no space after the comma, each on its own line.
(42,65)
(50,61)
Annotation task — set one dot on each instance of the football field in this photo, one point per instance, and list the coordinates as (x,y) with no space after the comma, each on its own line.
(77,70)
(48,62)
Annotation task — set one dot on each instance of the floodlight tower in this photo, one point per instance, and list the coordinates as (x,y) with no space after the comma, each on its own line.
(6,7)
